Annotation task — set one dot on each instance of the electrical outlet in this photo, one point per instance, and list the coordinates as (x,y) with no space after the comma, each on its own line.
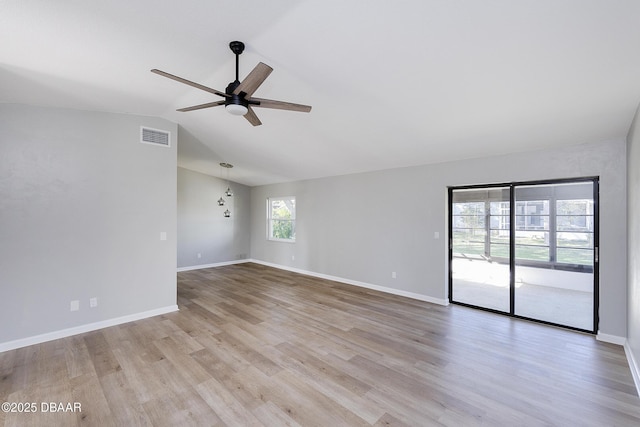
(75,305)
(393,274)
(163,235)
(199,255)
(93,302)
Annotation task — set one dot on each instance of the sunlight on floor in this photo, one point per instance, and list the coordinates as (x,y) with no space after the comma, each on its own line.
(486,284)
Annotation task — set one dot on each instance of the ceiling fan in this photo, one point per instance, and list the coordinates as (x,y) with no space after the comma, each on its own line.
(237,96)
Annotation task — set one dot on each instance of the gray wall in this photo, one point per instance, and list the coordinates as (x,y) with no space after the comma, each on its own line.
(202,227)
(362,227)
(633,158)
(82,207)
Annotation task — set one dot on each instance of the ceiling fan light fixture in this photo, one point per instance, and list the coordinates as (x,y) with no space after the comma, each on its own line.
(236,109)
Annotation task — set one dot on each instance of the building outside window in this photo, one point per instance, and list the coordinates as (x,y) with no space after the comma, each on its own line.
(553,231)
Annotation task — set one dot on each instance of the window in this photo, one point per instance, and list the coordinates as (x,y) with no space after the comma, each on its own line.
(281,218)
(533,235)
(575,229)
(499,229)
(469,228)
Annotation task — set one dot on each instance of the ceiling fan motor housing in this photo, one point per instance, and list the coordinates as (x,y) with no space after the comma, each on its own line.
(234,99)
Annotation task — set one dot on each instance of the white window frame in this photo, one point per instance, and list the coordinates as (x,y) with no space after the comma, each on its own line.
(270,219)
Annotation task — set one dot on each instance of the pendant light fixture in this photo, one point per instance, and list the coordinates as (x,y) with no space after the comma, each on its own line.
(228,193)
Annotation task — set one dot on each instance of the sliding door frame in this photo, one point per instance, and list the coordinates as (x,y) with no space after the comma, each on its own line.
(595,180)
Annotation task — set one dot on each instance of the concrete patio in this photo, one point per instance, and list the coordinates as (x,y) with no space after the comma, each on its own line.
(561,297)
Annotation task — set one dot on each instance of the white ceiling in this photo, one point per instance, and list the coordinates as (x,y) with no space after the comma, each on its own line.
(392,83)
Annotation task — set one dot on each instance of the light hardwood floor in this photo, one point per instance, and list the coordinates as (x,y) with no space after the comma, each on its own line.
(253,345)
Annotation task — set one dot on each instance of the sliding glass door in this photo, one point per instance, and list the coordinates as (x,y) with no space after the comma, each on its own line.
(555,242)
(480,235)
(527,250)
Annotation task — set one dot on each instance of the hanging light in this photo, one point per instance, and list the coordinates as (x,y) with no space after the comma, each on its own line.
(227,166)
(228,193)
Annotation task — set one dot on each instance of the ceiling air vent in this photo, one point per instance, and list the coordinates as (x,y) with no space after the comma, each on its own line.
(155,136)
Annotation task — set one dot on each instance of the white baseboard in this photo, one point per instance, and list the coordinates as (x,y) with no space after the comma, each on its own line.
(387,290)
(633,365)
(611,339)
(50,336)
(217,264)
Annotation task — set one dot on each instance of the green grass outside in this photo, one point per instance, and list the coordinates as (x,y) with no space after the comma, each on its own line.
(570,252)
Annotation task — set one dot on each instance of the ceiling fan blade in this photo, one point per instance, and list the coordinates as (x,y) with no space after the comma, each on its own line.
(189,82)
(279,105)
(201,106)
(252,118)
(254,79)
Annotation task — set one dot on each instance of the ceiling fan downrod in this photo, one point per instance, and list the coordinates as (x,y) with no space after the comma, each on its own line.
(237,48)
(236,104)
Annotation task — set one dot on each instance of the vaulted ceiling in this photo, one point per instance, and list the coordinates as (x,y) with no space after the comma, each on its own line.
(392,83)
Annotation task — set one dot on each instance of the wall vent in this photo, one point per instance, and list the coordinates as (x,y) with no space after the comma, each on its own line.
(155,136)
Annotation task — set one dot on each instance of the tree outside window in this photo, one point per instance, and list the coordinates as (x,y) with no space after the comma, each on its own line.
(281,214)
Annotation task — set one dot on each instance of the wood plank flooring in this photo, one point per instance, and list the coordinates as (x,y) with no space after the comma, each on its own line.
(253,346)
